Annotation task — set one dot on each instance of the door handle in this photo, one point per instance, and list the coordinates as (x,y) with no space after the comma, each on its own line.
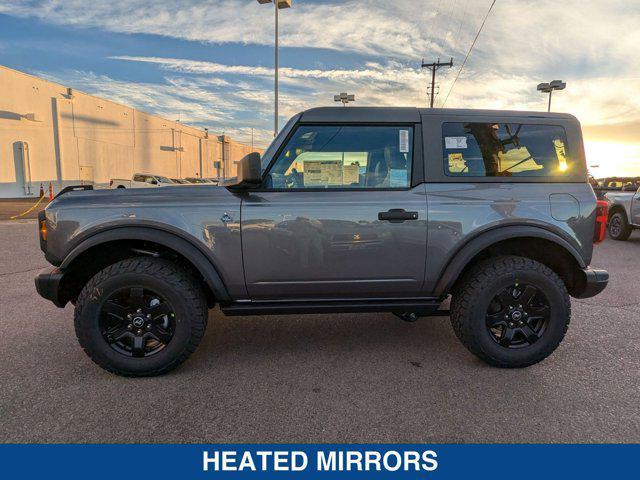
(397,215)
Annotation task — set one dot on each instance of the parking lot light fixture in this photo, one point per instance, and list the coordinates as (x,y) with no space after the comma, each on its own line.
(550,87)
(345,98)
(279,4)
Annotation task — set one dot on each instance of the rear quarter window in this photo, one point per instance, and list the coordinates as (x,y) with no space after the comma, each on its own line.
(474,149)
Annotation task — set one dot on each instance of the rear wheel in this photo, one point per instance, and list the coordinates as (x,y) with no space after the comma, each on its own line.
(619,228)
(511,311)
(140,317)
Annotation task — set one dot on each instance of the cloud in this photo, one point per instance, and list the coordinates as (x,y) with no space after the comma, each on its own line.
(376,72)
(593,100)
(591,45)
(523,35)
(312,25)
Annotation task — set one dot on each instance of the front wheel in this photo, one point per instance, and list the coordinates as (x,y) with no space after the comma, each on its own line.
(511,311)
(140,317)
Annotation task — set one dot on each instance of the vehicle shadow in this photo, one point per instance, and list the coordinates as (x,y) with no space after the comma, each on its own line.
(370,336)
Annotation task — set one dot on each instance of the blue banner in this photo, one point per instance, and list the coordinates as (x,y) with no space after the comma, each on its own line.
(340,461)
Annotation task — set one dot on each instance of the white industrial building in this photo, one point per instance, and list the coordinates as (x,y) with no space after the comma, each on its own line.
(52,133)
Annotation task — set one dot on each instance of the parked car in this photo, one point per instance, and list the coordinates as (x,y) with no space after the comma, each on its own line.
(349,210)
(624,212)
(141,180)
(619,183)
(198,180)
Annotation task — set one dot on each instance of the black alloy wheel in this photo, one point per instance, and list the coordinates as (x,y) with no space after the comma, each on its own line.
(137,322)
(518,316)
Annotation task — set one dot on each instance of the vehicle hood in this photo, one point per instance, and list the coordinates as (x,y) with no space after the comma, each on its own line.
(194,211)
(618,196)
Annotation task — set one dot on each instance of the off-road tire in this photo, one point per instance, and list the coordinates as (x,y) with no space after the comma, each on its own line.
(474,292)
(168,279)
(623,229)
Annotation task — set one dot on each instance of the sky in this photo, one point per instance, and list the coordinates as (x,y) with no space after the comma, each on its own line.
(210,63)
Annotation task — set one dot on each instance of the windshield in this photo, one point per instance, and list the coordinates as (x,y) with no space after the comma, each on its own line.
(271,150)
(163,179)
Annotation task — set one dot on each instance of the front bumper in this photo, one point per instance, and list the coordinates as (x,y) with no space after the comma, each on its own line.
(48,284)
(594,281)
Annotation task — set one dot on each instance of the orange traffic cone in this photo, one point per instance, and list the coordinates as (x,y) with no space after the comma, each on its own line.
(50,191)
(41,190)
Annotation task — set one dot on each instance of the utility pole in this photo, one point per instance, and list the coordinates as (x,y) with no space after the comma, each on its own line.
(433,67)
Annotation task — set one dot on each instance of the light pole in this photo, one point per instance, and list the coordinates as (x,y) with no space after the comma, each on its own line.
(550,87)
(345,98)
(278,5)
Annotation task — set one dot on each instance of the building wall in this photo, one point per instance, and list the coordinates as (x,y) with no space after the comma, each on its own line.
(50,134)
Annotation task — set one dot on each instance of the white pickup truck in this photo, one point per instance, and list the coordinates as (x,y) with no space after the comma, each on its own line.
(624,213)
(141,180)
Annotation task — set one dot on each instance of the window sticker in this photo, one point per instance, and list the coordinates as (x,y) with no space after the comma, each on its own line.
(321,173)
(404,141)
(456,163)
(455,142)
(398,177)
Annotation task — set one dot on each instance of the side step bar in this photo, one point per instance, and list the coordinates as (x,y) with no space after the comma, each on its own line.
(425,307)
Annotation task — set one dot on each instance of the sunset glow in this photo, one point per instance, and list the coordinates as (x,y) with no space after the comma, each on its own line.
(612,159)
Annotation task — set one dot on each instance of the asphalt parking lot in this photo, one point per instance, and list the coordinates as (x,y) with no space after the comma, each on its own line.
(10,207)
(320,378)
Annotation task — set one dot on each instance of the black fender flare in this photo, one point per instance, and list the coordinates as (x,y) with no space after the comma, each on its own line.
(465,254)
(617,208)
(170,240)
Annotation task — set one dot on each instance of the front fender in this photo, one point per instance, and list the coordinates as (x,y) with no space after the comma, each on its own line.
(187,248)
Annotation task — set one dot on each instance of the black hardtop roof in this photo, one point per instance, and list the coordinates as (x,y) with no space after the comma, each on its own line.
(409,114)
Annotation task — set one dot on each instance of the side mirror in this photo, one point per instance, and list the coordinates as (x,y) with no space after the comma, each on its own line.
(249,173)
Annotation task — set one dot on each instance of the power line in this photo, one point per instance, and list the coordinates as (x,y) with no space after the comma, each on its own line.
(469,52)
(463,15)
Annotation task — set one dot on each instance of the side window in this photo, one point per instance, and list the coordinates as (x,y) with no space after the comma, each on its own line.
(504,150)
(345,157)
(138,178)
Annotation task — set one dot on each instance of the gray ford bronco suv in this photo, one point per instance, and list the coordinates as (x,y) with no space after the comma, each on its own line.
(349,210)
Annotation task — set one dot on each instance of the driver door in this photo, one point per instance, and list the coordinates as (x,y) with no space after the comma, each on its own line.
(337,217)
